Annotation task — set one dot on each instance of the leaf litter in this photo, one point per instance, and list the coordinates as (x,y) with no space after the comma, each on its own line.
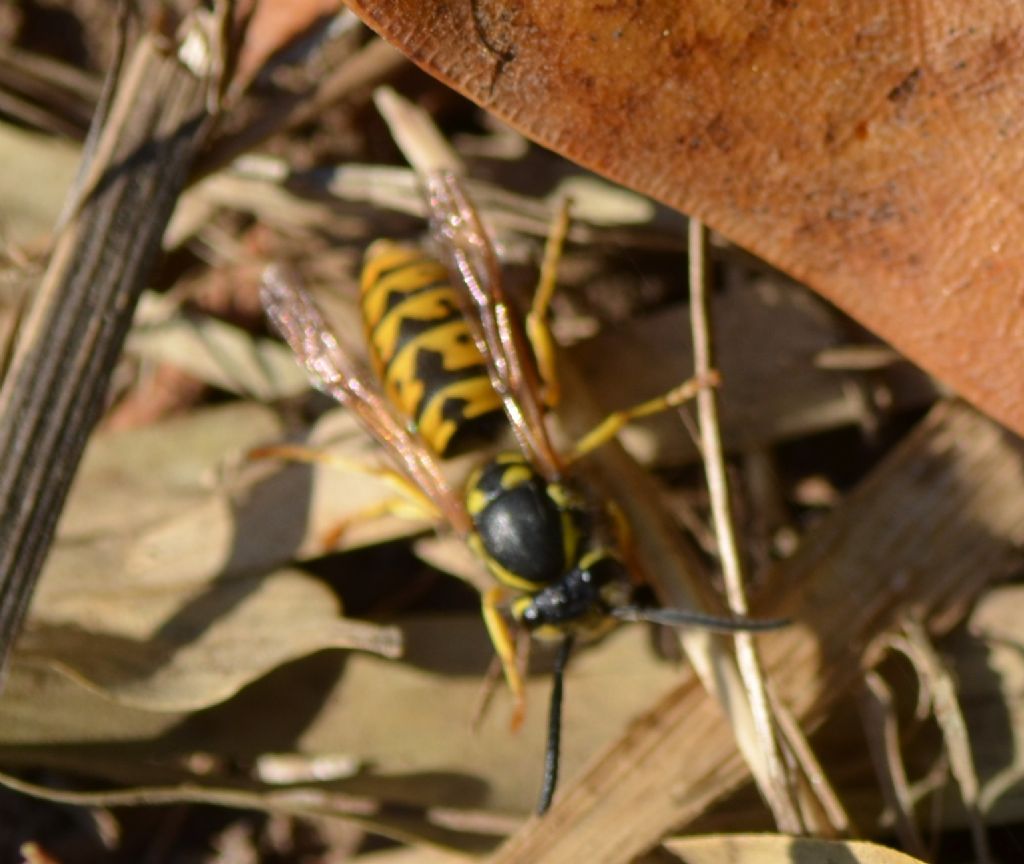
(175,647)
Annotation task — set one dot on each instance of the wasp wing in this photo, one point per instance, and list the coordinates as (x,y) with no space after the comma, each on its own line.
(469,255)
(292,311)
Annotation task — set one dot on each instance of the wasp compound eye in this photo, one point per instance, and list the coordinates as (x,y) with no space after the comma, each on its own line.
(530,617)
(601,568)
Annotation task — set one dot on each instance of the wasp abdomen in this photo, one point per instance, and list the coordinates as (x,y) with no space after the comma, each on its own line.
(423,351)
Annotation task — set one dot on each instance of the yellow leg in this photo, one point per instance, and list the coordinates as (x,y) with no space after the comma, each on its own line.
(487,688)
(613,423)
(490,682)
(505,647)
(537,329)
(414,504)
(330,540)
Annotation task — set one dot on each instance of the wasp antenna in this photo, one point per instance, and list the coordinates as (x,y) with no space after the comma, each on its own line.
(689,618)
(554,743)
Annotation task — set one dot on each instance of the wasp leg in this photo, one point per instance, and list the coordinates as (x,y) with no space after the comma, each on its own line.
(410,502)
(505,647)
(613,423)
(331,539)
(537,329)
(623,534)
(487,688)
(494,673)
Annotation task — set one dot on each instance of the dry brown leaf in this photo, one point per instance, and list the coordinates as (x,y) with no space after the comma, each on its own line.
(41,706)
(407,722)
(205,648)
(775,849)
(868,151)
(355,709)
(159,591)
(214,352)
(179,501)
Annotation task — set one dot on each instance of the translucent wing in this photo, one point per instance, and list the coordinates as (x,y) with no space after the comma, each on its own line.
(296,317)
(467,251)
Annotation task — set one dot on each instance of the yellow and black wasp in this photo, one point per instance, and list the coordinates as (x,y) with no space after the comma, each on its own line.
(451,356)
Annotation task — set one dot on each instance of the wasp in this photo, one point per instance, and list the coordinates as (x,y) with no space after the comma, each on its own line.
(450,355)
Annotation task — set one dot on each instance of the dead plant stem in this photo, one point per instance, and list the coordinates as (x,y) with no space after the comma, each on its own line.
(776,789)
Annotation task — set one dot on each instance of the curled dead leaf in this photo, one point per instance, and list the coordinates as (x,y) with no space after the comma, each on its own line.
(209,646)
(868,151)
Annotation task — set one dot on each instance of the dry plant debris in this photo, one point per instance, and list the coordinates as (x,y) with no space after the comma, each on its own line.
(213,629)
(866,151)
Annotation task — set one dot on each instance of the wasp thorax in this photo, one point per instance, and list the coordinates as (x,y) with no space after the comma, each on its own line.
(528,531)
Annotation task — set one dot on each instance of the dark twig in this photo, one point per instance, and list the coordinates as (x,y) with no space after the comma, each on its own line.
(74,332)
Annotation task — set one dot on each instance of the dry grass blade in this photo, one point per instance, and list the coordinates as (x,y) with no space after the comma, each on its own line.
(417,136)
(763,751)
(772,849)
(820,804)
(889,546)
(602,213)
(46,93)
(942,692)
(308,802)
(883,741)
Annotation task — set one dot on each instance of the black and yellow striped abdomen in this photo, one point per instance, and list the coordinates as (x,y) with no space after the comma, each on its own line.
(422,349)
